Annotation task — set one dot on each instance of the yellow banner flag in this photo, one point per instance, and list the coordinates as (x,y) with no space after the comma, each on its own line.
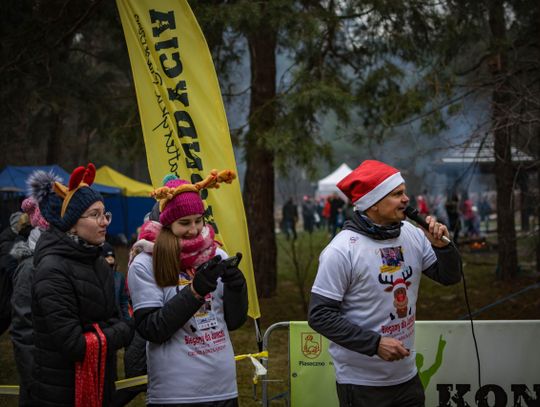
(183,119)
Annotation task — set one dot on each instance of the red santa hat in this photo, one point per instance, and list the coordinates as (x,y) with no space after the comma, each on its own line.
(370,182)
(400,283)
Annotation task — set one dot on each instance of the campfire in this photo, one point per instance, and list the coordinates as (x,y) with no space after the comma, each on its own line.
(476,244)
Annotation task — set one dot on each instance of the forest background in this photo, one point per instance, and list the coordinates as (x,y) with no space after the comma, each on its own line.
(306,84)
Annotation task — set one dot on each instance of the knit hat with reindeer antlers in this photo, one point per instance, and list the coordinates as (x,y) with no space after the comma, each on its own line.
(62,206)
(179,198)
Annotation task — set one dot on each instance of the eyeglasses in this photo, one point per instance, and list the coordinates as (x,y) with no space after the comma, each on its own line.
(98,217)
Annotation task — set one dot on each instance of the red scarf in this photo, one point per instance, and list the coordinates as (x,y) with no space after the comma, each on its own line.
(90,373)
(196,251)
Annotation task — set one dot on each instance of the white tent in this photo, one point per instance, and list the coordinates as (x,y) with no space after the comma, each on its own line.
(327,185)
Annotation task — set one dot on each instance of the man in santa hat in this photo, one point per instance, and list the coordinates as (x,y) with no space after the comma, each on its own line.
(364,296)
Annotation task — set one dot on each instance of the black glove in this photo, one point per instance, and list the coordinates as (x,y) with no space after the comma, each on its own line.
(233,277)
(125,329)
(205,280)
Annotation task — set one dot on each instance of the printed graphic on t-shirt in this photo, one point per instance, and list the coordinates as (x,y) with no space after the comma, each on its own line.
(392,259)
(207,338)
(205,317)
(206,343)
(401,330)
(394,274)
(183,279)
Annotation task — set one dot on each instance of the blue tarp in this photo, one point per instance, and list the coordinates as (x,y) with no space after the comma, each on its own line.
(13,178)
(128,212)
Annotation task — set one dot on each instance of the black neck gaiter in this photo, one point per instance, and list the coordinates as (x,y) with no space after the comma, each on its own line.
(360,223)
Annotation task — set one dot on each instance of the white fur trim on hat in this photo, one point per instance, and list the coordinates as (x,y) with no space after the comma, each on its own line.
(400,283)
(379,192)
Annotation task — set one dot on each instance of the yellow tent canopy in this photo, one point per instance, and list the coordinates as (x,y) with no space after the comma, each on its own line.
(107,176)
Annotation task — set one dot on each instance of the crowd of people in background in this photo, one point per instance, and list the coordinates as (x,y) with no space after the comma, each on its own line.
(328,213)
(466,215)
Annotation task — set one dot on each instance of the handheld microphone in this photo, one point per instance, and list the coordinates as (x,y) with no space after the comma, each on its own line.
(413,214)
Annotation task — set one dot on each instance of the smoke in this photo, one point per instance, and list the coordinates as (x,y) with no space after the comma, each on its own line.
(418,155)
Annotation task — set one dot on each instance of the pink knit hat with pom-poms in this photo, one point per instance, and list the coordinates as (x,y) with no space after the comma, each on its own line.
(178,198)
(184,204)
(31,208)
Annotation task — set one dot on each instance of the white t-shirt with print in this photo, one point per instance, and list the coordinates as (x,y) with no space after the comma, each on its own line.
(376,282)
(197,363)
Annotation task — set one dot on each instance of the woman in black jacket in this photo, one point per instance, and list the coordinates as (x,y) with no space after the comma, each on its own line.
(77,329)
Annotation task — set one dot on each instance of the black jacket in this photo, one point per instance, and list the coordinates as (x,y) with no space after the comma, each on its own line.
(7,265)
(21,323)
(73,287)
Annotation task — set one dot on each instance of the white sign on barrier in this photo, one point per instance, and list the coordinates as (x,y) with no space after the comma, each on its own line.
(509,354)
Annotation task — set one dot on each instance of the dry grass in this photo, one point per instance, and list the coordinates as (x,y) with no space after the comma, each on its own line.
(435,303)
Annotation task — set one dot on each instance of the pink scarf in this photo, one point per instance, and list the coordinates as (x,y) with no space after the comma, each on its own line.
(196,251)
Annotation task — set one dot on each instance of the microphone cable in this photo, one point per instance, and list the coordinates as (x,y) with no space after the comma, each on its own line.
(413,214)
(470,316)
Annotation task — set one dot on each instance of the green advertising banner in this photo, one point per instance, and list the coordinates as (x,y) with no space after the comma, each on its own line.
(446,361)
(312,377)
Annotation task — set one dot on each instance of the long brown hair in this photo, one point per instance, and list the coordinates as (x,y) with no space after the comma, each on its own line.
(166,258)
